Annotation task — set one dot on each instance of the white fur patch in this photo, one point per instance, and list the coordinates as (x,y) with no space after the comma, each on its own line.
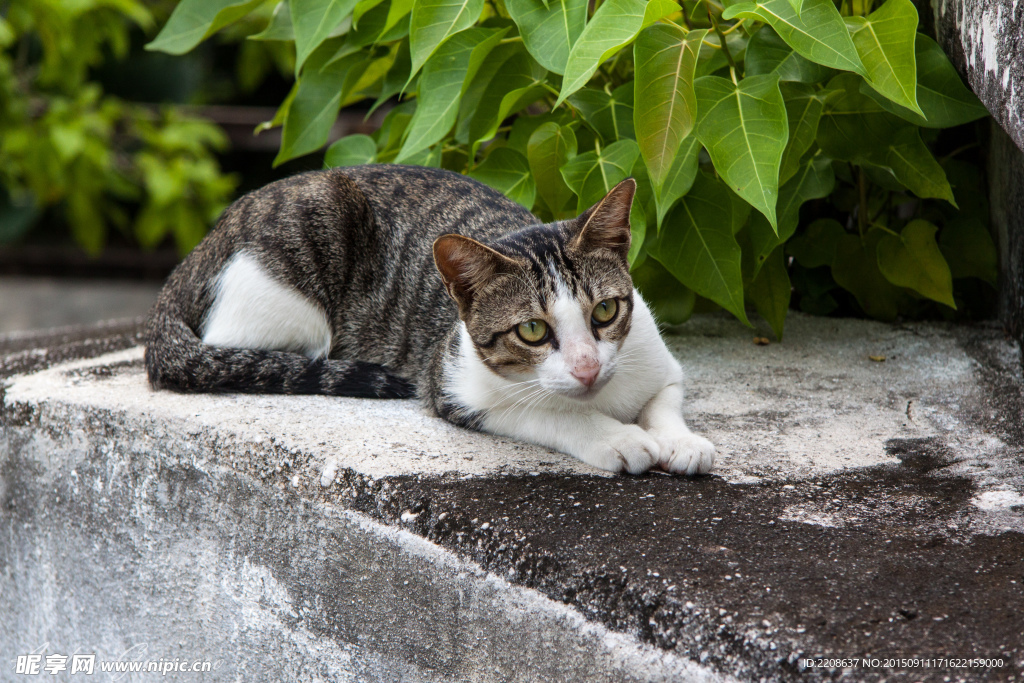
(252,310)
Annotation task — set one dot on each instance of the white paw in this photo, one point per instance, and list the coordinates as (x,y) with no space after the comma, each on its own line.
(628,449)
(685,453)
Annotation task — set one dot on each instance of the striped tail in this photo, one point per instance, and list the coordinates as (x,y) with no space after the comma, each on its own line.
(177,359)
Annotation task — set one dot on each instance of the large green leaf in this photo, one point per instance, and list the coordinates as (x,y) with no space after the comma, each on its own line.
(194,20)
(610,115)
(351,150)
(814,179)
(942,96)
(670,300)
(770,292)
(613,26)
(280,26)
(549,28)
(698,247)
(816,247)
(551,147)
(519,82)
(885,43)
(744,128)
(818,33)
(434,21)
(803,111)
(473,97)
(855,269)
(311,113)
(396,77)
(313,22)
(441,84)
(592,175)
(968,247)
(508,172)
(913,260)
(665,57)
(680,176)
(524,126)
(912,164)
(852,125)
(767,53)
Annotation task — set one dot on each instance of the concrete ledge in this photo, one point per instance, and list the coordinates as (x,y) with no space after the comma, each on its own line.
(861,507)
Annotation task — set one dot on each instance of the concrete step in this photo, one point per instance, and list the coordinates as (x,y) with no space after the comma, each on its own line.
(861,508)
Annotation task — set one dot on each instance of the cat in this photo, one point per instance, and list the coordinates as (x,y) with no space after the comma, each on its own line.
(327,283)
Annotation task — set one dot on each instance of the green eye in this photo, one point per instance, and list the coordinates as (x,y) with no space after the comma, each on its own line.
(605,311)
(533,331)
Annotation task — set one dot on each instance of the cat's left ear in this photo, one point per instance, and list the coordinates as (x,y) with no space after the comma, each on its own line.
(606,224)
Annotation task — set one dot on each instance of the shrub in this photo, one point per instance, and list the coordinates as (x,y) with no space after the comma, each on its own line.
(731,118)
(95,159)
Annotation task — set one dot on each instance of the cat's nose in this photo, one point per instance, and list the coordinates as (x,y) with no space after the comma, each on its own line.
(586,374)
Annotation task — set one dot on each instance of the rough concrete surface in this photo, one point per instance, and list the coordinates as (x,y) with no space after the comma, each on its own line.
(860,509)
(35,303)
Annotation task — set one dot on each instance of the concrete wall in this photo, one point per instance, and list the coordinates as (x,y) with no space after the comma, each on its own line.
(985,40)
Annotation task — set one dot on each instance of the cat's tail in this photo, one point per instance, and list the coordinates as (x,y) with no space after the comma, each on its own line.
(178,359)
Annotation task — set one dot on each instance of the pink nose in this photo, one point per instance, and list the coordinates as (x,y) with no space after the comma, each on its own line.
(586,374)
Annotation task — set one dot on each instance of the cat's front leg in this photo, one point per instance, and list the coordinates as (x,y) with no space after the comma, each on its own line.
(682,451)
(593,437)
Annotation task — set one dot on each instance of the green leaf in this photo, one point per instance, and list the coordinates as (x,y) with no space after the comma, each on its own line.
(855,269)
(592,175)
(767,53)
(280,26)
(771,290)
(434,21)
(665,105)
(524,126)
(313,22)
(508,172)
(609,115)
(818,33)
(441,85)
(312,111)
(396,77)
(551,147)
(853,125)
(744,128)
(816,247)
(814,180)
(351,150)
(942,96)
(913,260)
(519,82)
(885,43)
(397,10)
(195,20)
(361,8)
(549,29)
(473,95)
(912,164)
(803,111)
(968,247)
(680,177)
(697,245)
(670,300)
(613,26)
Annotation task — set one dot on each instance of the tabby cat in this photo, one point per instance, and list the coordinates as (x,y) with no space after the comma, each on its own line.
(327,283)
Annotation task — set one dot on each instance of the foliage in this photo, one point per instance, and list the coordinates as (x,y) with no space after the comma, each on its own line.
(731,118)
(99,161)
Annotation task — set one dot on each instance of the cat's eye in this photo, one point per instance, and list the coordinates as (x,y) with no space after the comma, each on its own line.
(604,312)
(533,331)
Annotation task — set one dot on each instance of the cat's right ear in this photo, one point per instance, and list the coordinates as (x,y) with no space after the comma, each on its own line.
(465,264)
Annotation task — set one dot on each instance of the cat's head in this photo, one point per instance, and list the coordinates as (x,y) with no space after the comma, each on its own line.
(550,302)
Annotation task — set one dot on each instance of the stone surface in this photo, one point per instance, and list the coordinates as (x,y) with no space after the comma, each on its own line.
(985,40)
(860,508)
(34,303)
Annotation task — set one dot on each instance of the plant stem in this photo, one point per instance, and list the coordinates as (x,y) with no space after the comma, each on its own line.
(725,45)
(862,208)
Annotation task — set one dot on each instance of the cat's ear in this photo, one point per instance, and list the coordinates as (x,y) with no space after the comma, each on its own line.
(465,264)
(606,224)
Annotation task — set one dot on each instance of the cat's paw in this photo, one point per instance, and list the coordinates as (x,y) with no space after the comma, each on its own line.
(629,449)
(685,453)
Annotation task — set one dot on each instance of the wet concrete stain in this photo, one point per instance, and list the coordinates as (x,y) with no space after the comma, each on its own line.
(752,579)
